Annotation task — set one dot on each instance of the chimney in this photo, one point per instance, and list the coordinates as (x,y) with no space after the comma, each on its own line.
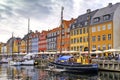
(88,10)
(110,5)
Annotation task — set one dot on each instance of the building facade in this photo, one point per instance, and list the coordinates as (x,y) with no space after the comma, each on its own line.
(52,40)
(79,32)
(103,28)
(63,38)
(34,42)
(43,41)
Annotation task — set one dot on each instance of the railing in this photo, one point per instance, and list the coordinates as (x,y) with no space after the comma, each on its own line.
(112,65)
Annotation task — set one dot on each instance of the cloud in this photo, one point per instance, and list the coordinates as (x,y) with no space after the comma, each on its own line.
(44,14)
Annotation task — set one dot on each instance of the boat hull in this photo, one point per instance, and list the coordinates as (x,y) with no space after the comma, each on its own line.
(76,67)
(14,63)
(28,62)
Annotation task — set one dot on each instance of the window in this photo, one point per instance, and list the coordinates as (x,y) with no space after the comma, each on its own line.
(98,37)
(81,48)
(97,19)
(93,38)
(74,48)
(86,23)
(75,40)
(71,48)
(98,47)
(106,17)
(104,27)
(104,47)
(84,30)
(94,47)
(109,26)
(98,28)
(73,26)
(80,31)
(104,37)
(77,48)
(93,29)
(77,32)
(109,46)
(80,39)
(109,36)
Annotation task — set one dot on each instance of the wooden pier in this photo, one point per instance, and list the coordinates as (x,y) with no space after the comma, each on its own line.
(109,65)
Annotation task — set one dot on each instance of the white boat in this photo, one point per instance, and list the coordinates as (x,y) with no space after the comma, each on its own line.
(5,60)
(14,63)
(28,62)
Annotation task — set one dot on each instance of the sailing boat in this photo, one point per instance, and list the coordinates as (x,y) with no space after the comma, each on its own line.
(74,64)
(26,60)
(14,62)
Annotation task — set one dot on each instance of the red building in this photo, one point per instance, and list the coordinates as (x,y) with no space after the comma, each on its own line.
(42,47)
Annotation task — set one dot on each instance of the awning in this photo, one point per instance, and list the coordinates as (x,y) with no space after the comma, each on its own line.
(64,57)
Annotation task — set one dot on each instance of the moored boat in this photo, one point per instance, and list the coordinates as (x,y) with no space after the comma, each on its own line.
(14,63)
(64,62)
(28,62)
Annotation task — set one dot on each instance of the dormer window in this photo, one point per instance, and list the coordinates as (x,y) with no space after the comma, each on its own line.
(73,26)
(97,19)
(106,17)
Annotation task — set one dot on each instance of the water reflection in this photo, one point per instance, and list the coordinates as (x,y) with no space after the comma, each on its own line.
(71,76)
(109,75)
(30,73)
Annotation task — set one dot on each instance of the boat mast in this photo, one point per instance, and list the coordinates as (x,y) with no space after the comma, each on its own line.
(28,36)
(88,19)
(12,45)
(61,27)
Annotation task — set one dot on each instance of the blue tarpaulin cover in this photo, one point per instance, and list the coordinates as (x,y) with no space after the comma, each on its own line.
(64,57)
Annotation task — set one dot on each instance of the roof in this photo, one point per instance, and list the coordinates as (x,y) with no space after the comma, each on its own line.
(64,57)
(110,9)
(81,21)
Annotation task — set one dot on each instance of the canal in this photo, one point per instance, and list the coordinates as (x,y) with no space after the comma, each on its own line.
(31,73)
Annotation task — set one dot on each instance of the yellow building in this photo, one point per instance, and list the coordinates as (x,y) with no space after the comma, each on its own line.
(103,26)
(16,45)
(79,33)
(105,29)
(23,46)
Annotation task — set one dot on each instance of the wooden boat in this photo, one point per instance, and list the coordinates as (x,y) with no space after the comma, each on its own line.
(64,63)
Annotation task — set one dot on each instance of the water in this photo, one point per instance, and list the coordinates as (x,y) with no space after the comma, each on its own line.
(32,73)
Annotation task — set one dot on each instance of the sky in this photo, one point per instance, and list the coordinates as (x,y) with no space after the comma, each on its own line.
(43,14)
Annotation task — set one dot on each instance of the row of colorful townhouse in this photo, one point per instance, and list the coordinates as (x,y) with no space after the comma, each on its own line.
(35,42)
(94,30)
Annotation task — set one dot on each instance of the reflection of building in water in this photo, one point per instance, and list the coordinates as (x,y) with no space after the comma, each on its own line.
(71,76)
(109,75)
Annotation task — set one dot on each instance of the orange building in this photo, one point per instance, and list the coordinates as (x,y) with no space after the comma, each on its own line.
(64,42)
